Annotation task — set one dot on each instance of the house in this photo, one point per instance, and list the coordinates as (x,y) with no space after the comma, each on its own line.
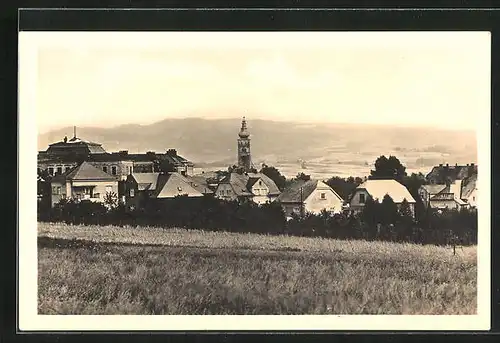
(377,190)
(256,187)
(310,196)
(84,182)
(445,173)
(452,195)
(143,186)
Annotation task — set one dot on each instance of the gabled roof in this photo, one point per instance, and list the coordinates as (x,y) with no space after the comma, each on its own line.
(293,192)
(146,181)
(171,185)
(86,171)
(200,184)
(379,188)
(440,173)
(242,183)
(434,188)
(239,184)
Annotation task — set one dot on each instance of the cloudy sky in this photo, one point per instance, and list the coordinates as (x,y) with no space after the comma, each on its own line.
(107,79)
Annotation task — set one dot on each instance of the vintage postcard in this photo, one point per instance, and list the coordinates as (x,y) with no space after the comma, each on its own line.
(254,180)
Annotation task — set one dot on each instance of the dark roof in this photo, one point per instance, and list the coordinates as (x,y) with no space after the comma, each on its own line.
(293,192)
(176,160)
(242,183)
(85,171)
(440,173)
(170,185)
(76,145)
(200,183)
(145,181)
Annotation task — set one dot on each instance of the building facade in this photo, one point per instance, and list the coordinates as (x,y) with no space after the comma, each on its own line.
(84,182)
(312,196)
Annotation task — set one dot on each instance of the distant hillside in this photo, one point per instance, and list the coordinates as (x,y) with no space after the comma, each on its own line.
(287,144)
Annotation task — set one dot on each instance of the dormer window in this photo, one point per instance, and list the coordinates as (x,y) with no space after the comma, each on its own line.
(179,189)
(323,196)
(105,169)
(113,170)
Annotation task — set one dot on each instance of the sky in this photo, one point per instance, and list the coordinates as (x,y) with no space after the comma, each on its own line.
(105,79)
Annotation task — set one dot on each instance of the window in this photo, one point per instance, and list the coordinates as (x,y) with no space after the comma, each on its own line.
(323,196)
(362,198)
(67,169)
(113,170)
(105,169)
(54,190)
(128,170)
(58,190)
(51,171)
(132,193)
(109,189)
(96,195)
(260,183)
(473,198)
(59,170)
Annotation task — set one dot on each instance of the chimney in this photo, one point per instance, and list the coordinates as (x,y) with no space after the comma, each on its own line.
(440,164)
(447,165)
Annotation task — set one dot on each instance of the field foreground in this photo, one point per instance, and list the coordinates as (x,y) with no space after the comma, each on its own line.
(114,270)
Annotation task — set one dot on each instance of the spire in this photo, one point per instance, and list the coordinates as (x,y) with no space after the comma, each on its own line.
(74,131)
(243,131)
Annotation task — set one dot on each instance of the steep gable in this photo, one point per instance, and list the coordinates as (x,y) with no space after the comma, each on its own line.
(379,188)
(86,171)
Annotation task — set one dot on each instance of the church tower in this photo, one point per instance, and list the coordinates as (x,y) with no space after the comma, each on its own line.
(244,158)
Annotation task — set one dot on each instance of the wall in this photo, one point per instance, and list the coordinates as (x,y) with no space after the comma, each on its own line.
(472,199)
(99,188)
(55,198)
(355,204)
(227,192)
(260,192)
(315,204)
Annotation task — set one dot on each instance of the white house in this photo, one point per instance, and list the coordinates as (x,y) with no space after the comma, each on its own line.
(83,182)
(377,190)
(311,196)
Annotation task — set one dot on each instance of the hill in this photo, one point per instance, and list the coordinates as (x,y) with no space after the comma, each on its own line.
(323,149)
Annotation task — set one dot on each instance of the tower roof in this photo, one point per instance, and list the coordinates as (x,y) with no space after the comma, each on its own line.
(244,131)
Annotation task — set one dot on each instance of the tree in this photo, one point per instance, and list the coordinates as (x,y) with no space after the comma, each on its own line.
(275,175)
(388,168)
(111,201)
(388,210)
(165,166)
(303,177)
(344,187)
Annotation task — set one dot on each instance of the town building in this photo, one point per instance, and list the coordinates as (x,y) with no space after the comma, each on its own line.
(83,182)
(461,193)
(141,187)
(377,190)
(241,186)
(62,156)
(312,196)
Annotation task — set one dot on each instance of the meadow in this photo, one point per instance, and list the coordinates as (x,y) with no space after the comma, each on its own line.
(145,270)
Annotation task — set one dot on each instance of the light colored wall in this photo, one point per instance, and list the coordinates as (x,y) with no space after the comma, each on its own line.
(472,199)
(442,204)
(354,203)
(315,204)
(55,198)
(260,193)
(99,187)
(224,188)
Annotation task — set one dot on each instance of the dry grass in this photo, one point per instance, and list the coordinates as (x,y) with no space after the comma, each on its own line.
(196,272)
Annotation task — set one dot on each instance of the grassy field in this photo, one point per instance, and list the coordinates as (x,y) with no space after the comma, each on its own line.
(112,270)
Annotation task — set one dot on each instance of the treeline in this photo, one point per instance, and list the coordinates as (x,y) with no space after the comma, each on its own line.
(379,221)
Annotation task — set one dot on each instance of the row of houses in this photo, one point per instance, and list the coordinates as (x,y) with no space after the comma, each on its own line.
(94,178)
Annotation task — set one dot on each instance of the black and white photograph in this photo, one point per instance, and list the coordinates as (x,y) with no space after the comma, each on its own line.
(300,179)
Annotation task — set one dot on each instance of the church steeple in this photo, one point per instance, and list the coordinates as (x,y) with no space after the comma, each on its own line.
(244,157)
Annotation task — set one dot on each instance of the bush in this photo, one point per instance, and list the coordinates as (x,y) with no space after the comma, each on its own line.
(378,221)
